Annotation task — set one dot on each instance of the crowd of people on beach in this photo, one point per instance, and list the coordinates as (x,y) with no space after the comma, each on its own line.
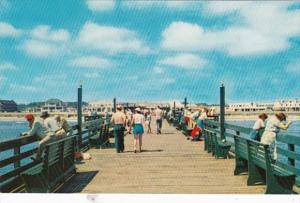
(47,129)
(135,122)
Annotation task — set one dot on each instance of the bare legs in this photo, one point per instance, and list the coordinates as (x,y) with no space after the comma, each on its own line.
(136,138)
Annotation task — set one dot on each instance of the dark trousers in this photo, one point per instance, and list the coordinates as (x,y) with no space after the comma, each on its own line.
(159,125)
(119,137)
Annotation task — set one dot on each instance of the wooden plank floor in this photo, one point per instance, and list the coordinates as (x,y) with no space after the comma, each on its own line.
(170,164)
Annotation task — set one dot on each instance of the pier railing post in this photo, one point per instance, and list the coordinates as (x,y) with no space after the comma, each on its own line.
(17,152)
(174,109)
(291,147)
(222,111)
(185,102)
(114,105)
(79,117)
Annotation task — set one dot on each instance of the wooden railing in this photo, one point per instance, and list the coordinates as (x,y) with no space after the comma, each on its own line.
(288,146)
(15,155)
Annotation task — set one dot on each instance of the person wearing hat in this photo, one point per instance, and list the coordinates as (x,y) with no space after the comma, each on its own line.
(37,127)
(138,120)
(273,126)
(118,119)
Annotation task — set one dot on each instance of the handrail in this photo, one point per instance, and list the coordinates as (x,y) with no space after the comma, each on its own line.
(16,157)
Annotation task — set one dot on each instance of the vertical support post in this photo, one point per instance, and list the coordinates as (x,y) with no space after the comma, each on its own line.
(185,102)
(79,117)
(222,111)
(174,108)
(291,147)
(114,105)
(17,152)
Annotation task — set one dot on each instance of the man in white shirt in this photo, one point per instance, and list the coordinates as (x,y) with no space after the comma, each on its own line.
(158,113)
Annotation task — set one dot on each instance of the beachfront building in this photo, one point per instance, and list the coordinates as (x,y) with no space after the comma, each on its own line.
(249,107)
(8,106)
(54,105)
(100,106)
(287,105)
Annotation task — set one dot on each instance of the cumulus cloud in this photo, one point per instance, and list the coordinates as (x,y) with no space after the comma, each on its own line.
(260,28)
(185,61)
(22,88)
(44,41)
(96,5)
(90,62)
(7,66)
(8,30)
(111,40)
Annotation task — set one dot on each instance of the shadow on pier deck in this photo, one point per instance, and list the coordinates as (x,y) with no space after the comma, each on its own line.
(170,164)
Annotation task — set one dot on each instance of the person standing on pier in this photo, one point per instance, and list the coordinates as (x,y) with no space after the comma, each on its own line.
(148,121)
(273,126)
(118,119)
(158,116)
(259,125)
(138,121)
(37,127)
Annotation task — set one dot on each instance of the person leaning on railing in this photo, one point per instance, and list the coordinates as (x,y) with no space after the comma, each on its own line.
(37,128)
(258,126)
(64,125)
(273,126)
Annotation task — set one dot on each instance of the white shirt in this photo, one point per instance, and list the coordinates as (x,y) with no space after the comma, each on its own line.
(203,116)
(259,123)
(273,125)
(138,118)
(51,124)
(158,114)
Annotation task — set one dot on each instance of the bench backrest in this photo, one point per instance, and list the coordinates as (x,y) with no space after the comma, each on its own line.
(258,153)
(241,149)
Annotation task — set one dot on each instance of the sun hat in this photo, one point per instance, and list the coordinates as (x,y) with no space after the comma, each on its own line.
(138,109)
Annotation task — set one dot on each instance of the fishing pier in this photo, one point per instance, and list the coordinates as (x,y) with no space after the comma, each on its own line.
(224,162)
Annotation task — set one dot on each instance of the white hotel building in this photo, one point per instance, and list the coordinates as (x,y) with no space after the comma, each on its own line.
(279,105)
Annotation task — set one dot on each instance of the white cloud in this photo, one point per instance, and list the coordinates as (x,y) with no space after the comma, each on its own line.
(110,39)
(22,88)
(294,67)
(90,62)
(45,42)
(97,5)
(7,66)
(259,28)
(44,32)
(8,30)
(185,61)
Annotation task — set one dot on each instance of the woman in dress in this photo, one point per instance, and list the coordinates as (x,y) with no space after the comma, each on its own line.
(138,120)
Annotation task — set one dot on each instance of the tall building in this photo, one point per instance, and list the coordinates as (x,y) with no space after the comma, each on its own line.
(8,106)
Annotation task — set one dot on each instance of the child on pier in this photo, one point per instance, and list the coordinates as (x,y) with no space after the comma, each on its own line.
(258,127)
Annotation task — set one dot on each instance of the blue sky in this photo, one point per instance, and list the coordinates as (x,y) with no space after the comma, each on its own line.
(155,51)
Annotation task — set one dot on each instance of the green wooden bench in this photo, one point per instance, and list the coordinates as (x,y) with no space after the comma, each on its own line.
(241,155)
(96,137)
(262,169)
(56,166)
(221,147)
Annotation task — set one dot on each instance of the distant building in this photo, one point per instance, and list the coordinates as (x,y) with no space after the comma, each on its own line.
(8,106)
(249,107)
(54,105)
(100,106)
(287,105)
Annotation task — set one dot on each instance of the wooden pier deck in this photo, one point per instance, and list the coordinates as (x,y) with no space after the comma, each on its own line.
(170,164)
